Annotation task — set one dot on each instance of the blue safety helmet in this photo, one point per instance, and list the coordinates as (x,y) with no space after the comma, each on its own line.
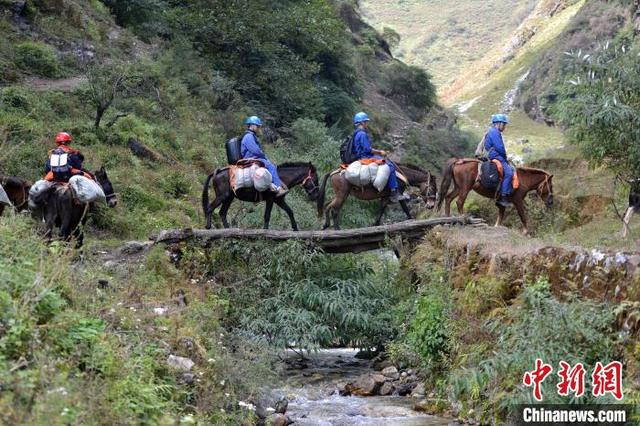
(360,117)
(499,118)
(254,119)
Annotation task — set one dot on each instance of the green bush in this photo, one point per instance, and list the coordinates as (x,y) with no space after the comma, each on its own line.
(536,326)
(37,58)
(601,106)
(411,87)
(429,334)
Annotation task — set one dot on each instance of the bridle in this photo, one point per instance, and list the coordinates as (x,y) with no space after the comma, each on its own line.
(25,197)
(428,183)
(545,184)
(308,178)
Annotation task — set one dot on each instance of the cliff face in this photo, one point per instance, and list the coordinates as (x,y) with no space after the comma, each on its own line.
(601,275)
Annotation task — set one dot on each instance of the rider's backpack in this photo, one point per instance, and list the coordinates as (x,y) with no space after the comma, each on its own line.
(481,152)
(489,176)
(346,151)
(234,150)
(60,166)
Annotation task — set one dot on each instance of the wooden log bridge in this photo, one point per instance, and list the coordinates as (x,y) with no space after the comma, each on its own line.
(331,241)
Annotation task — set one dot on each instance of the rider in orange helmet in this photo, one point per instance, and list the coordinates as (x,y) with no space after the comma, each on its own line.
(64,161)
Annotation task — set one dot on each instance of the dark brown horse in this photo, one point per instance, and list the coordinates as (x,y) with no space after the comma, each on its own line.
(416,176)
(58,207)
(463,173)
(291,174)
(17,190)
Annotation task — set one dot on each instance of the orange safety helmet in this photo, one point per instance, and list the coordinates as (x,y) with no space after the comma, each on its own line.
(63,138)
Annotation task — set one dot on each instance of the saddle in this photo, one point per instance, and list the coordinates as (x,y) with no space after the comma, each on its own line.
(248,162)
(515,182)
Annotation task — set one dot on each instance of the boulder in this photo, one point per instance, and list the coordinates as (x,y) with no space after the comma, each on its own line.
(387,389)
(406,388)
(381,365)
(418,391)
(364,386)
(391,372)
(424,406)
(180,363)
(277,419)
(281,405)
(379,378)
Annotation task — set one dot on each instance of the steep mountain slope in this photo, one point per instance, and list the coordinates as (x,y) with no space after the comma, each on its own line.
(447,37)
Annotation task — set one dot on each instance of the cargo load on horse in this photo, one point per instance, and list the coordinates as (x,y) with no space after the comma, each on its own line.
(366,172)
(250,175)
(4,198)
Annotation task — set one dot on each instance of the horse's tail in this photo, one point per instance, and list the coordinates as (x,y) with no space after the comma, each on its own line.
(321,195)
(447,178)
(205,192)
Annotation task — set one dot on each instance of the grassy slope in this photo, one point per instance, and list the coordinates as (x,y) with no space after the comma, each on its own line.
(446,37)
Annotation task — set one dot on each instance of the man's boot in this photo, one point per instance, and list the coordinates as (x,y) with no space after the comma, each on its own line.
(279,190)
(503,202)
(396,196)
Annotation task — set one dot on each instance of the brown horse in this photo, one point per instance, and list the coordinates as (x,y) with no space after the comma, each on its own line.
(416,176)
(17,190)
(291,174)
(58,207)
(463,173)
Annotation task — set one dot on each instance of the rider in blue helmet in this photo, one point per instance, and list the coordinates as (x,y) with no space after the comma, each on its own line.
(362,149)
(251,148)
(495,147)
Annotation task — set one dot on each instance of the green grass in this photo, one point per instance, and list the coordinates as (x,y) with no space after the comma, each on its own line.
(446,37)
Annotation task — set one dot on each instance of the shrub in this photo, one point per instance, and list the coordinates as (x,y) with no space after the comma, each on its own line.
(601,106)
(37,58)
(411,87)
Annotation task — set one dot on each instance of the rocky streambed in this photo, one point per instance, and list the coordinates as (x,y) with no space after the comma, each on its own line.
(334,388)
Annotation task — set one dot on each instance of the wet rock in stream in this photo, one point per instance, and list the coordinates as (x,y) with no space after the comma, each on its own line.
(331,396)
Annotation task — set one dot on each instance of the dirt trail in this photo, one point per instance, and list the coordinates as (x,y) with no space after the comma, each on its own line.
(62,84)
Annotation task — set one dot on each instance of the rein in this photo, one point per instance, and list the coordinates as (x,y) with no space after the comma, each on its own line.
(308,178)
(544,183)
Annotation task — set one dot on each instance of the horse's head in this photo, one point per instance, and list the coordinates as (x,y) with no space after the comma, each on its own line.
(429,191)
(311,184)
(545,191)
(107,187)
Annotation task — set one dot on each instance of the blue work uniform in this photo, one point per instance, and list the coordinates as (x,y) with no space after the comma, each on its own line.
(495,147)
(250,148)
(362,149)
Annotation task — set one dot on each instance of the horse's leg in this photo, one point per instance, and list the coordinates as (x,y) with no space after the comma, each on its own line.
(405,209)
(627,218)
(214,205)
(327,217)
(224,210)
(384,202)
(519,204)
(449,199)
(78,234)
(462,197)
(267,213)
(500,218)
(284,206)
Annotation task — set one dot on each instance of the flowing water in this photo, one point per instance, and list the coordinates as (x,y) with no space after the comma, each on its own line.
(311,387)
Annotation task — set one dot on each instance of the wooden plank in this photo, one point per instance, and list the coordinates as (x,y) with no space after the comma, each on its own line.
(332,241)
